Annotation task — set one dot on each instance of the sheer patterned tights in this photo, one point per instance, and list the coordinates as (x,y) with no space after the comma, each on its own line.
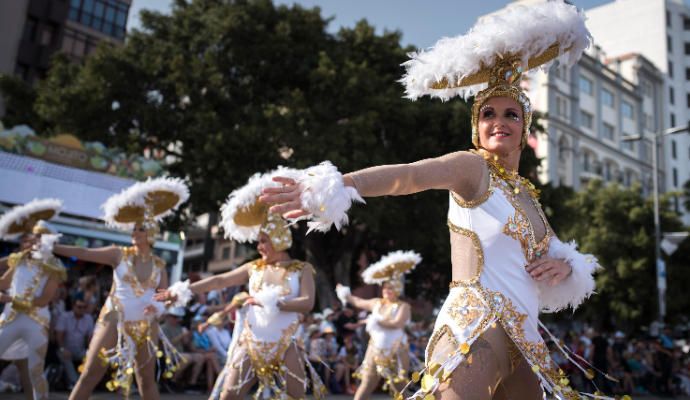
(494,370)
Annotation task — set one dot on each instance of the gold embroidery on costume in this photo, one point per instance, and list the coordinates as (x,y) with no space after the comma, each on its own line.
(130,276)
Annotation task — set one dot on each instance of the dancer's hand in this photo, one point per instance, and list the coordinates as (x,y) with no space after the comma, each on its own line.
(202,327)
(553,270)
(150,310)
(164,296)
(252,302)
(285,199)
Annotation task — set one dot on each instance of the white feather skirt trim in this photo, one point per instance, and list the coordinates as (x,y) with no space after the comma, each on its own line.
(577,287)
(326,197)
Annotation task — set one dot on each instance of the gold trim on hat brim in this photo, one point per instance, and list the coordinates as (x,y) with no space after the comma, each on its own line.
(252,215)
(158,201)
(393,270)
(26,225)
(484,73)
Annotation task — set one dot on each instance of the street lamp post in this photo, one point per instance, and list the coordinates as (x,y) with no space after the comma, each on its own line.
(658,262)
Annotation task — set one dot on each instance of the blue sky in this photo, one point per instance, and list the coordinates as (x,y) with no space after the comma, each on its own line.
(422,22)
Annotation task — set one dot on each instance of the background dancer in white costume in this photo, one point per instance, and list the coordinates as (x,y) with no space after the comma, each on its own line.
(388,354)
(127,334)
(265,346)
(32,279)
(507,264)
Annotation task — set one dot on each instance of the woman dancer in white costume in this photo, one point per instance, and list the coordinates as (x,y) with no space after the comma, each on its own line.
(32,278)
(388,353)
(507,264)
(265,346)
(127,335)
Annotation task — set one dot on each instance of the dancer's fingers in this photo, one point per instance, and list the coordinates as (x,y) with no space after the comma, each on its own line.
(284,180)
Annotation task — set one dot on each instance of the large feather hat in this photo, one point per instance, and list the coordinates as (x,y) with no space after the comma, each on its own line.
(391,267)
(22,219)
(243,216)
(145,202)
(489,60)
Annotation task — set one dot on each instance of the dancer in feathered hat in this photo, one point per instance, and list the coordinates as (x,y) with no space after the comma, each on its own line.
(266,349)
(127,335)
(507,264)
(387,355)
(32,278)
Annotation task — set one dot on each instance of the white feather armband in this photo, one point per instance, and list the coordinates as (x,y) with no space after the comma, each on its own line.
(268,298)
(574,289)
(343,292)
(182,293)
(326,197)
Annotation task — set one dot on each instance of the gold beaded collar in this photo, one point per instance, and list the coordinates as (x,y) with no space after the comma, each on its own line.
(516,182)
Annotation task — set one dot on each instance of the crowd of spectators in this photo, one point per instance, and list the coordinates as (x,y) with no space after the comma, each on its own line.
(335,340)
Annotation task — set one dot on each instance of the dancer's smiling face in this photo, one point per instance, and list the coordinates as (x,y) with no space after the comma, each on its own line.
(500,125)
(388,292)
(140,236)
(265,247)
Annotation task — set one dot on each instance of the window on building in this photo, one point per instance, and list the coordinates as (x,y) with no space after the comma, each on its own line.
(671,95)
(30,27)
(646,88)
(670,69)
(562,107)
(673,120)
(48,34)
(627,110)
(586,86)
(77,44)
(586,161)
(226,252)
(106,16)
(686,23)
(687,48)
(673,149)
(628,145)
(688,99)
(669,43)
(608,131)
(586,119)
(607,97)
(675,177)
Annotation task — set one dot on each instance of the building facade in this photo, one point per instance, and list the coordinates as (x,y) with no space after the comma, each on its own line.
(660,31)
(588,109)
(35,30)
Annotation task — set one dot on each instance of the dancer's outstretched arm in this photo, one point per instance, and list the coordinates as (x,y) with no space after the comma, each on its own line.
(399,320)
(235,277)
(461,172)
(109,255)
(305,301)
(362,304)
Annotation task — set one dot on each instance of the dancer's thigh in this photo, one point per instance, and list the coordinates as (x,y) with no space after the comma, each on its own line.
(479,375)
(295,364)
(522,384)
(239,369)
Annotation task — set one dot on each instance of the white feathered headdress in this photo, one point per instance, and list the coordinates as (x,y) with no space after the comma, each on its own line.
(243,216)
(149,201)
(391,267)
(21,219)
(490,59)
(461,65)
